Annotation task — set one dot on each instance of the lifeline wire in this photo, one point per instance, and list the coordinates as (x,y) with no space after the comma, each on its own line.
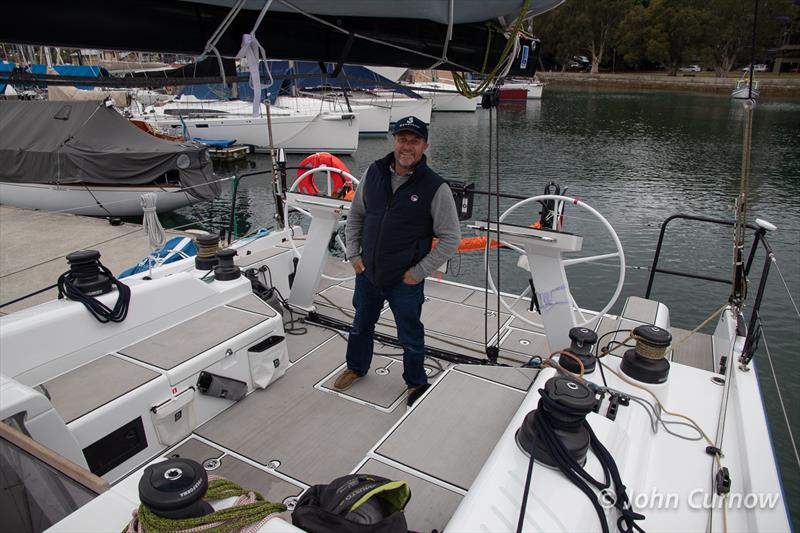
(788,292)
(780,398)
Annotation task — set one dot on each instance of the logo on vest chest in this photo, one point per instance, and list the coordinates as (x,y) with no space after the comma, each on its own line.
(413,197)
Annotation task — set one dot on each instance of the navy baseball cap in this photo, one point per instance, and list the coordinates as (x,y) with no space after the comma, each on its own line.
(412,124)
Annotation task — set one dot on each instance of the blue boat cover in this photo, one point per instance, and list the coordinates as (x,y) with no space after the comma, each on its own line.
(175,249)
(215,143)
(5,67)
(84,71)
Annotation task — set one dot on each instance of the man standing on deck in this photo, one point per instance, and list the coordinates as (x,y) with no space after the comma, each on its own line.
(399,206)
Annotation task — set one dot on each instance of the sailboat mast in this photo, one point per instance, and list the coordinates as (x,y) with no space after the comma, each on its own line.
(739,292)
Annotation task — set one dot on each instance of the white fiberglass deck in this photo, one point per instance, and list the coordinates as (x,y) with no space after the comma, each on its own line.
(300,431)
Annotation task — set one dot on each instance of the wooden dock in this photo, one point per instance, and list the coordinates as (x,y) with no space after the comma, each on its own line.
(34,245)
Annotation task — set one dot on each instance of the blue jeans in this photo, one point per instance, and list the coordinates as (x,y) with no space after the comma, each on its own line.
(406,304)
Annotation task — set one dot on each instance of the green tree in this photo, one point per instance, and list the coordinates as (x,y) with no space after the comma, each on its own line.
(581,25)
(559,39)
(665,31)
(598,23)
(730,30)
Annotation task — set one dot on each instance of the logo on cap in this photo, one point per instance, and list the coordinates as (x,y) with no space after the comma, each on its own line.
(414,197)
(410,120)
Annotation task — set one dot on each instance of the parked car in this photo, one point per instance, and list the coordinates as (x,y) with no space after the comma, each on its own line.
(761,67)
(691,68)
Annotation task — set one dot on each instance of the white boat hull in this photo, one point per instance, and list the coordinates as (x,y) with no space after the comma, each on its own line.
(401,106)
(744,94)
(295,133)
(742,90)
(446,101)
(372,119)
(91,200)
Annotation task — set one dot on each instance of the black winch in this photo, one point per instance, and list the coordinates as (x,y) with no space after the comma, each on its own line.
(174,489)
(207,246)
(583,341)
(86,274)
(563,406)
(86,279)
(225,269)
(647,362)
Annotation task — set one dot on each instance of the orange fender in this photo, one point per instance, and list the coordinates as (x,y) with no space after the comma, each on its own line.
(339,181)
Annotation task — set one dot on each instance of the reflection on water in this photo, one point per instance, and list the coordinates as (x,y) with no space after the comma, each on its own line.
(636,157)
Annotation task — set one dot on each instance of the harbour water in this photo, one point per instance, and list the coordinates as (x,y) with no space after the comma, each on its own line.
(637,158)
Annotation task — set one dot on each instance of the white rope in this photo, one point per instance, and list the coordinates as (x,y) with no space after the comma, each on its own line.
(254,53)
(152,226)
(775,262)
(780,398)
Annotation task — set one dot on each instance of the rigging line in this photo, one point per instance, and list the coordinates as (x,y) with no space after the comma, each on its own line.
(788,292)
(96,200)
(780,398)
(497,210)
(178,191)
(371,39)
(447,38)
(221,29)
(63,256)
(488,242)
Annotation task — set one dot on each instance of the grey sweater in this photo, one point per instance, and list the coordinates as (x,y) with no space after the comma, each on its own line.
(445,226)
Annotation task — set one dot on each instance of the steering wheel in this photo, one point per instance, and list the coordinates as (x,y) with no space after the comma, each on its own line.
(566,262)
(293,188)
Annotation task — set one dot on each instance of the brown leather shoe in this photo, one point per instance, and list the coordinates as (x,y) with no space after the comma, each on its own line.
(415,392)
(346,380)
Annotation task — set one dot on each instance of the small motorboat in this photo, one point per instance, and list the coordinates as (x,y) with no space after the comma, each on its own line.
(742,89)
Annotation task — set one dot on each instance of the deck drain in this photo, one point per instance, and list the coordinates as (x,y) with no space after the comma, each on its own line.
(718,380)
(211,464)
(524,342)
(382,371)
(290,503)
(274,464)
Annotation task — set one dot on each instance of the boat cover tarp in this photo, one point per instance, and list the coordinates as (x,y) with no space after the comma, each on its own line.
(312,30)
(350,77)
(69,142)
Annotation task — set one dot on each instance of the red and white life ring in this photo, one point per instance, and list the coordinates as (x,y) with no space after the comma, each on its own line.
(338,181)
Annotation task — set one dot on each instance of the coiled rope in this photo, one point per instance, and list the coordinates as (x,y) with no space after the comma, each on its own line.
(67,287)
(152,226)
(249,512)
(505,60)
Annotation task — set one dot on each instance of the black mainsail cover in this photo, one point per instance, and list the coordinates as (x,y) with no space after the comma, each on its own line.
(73,142)
(314,30)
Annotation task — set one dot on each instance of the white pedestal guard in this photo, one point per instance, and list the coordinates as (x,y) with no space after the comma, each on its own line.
(543,249)
(326,214)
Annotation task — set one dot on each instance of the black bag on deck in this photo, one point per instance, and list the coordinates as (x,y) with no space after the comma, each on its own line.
(354,504)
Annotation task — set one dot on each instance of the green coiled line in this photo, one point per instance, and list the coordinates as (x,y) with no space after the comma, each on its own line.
(228,519)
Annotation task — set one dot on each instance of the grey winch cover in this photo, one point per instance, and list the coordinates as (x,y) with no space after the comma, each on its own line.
(69,142)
